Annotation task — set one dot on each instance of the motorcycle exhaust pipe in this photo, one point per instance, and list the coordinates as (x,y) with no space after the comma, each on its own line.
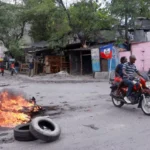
(119,99)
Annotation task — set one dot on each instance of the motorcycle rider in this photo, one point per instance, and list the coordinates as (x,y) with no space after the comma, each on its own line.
(129,69)
(118,70)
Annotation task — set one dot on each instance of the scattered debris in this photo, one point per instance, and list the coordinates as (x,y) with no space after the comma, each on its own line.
(60,96)
(62,73)
(3,85)
(53,112)
(92,126)
(56,107)
(3,134)
(23,86)
(7,138)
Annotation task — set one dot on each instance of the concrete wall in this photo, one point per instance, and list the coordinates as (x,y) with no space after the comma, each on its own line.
(142,52)
(101,75)
(140,36)
(148,36)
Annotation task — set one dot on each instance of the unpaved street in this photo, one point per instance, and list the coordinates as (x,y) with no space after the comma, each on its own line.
(88,120)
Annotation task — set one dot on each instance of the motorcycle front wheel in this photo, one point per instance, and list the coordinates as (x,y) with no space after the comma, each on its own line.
(145,105)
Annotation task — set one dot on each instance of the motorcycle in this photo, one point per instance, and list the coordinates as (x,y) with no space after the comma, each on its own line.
(140,94)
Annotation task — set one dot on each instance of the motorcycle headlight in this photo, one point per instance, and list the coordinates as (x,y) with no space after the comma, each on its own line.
(148,84)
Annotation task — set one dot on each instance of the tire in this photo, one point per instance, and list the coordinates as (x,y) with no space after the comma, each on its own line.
(116,103)
(22,133)
(37,128)
(145,110)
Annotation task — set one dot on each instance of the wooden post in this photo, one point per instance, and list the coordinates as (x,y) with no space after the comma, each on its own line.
(34,61)
(70,61)
(61,63)
(81,66)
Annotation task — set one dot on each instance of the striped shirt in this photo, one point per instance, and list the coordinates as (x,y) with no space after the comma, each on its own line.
(130,69)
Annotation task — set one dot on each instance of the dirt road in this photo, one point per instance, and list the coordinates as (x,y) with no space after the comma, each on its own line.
(89,121)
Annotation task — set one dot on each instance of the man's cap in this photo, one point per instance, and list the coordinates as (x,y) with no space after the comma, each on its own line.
(132,57)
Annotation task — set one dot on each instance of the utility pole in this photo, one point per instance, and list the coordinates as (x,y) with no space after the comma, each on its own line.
(126,18)
(15,1)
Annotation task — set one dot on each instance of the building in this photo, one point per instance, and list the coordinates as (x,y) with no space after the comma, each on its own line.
(80,59)
(142,52)
(46,60)
(141,32)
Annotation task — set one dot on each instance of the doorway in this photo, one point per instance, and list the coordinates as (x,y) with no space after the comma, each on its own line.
(104,65)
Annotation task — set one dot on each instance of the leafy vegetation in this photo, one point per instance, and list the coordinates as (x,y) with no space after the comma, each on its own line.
(127,12)
(52,21)
(11,26)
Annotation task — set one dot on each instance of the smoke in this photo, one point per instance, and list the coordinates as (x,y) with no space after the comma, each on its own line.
(12,93)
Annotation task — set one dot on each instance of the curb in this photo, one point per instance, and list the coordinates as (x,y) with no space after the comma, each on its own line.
(58,80)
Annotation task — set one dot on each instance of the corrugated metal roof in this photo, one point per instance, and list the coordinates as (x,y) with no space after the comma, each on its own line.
(141,24)
(85,49)
(41,44)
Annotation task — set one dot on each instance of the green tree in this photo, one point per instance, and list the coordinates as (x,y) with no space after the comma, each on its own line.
(11,26)
(127,11)
(49,21)
(88,18)
(54,22)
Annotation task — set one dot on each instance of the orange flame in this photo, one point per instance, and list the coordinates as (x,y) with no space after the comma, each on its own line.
(15,110)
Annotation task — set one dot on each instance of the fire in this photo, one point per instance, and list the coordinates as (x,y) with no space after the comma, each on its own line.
(15,109)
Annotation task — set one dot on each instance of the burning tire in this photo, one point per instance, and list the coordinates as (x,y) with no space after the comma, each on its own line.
(22,133)
(45,129)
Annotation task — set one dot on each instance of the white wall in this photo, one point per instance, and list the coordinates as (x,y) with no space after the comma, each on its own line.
(140,36)
(148,36)
(26,39)
(2,50)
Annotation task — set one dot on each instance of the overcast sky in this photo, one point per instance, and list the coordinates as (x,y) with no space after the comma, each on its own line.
(67,2)
(19,1)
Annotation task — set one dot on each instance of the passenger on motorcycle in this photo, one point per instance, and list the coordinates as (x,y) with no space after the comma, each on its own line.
(119,73)
(129,69)
(119,68)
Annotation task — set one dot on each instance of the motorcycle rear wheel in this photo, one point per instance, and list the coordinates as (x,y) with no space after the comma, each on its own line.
(117,103)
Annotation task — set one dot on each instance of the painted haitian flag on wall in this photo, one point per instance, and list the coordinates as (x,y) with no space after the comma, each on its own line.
(106,51)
